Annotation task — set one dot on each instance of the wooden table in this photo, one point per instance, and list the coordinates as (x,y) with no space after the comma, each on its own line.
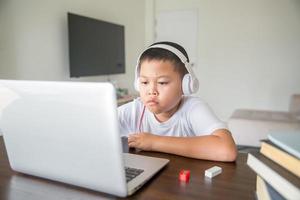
(237,181)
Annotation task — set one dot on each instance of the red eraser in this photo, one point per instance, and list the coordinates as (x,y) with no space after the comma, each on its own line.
(184,175)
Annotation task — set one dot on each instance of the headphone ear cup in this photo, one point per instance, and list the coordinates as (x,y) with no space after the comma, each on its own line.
(186,82)
(189,85)
(136,84)
(195,85)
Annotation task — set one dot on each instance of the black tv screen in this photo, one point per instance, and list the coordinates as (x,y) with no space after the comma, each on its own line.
(96,47)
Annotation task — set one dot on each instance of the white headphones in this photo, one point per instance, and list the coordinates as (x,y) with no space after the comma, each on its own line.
(190,83)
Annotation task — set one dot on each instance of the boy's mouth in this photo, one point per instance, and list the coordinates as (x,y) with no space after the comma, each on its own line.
(151,102)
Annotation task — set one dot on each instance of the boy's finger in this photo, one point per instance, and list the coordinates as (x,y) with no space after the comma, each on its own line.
(131,139)
(132,135)
(132,144)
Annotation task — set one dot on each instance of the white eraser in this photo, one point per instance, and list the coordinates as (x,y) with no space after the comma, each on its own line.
(213,171)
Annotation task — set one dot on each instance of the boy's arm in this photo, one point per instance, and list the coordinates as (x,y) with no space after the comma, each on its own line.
(218,146)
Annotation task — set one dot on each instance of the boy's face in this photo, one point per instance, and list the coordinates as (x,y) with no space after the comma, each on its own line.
(160,87)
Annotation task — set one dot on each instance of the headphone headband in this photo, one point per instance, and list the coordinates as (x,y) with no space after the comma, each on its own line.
(172,49)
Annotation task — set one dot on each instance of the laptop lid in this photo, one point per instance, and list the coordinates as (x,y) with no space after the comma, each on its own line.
(64,131)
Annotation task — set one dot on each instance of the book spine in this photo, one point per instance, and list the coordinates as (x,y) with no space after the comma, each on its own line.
(280,184)
(282,158)
(261,189)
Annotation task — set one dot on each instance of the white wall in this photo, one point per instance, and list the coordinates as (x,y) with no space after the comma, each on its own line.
(34,37)
(249,51)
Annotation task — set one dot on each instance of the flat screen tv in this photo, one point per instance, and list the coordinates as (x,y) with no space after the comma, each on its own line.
(96,47)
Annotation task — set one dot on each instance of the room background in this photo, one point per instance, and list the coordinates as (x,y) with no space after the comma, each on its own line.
(248,51)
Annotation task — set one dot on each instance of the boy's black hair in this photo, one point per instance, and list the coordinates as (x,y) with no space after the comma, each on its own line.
(165,55)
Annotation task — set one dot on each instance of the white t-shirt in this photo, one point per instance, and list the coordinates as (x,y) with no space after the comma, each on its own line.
(193,118)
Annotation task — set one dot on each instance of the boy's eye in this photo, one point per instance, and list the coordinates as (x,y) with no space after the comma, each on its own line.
(163,83)
(144,82)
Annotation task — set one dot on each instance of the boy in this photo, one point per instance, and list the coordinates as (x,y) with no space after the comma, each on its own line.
(165,118)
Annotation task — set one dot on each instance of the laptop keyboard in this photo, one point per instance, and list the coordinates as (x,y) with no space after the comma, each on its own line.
(131,173)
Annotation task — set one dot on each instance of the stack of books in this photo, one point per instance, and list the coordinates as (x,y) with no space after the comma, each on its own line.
(277,166)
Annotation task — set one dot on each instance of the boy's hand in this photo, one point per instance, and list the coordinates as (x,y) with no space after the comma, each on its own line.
(142,141)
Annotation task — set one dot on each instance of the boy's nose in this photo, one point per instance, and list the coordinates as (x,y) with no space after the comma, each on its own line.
(152,90)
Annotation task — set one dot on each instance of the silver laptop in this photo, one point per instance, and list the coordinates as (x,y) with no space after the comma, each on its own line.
(68,132)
